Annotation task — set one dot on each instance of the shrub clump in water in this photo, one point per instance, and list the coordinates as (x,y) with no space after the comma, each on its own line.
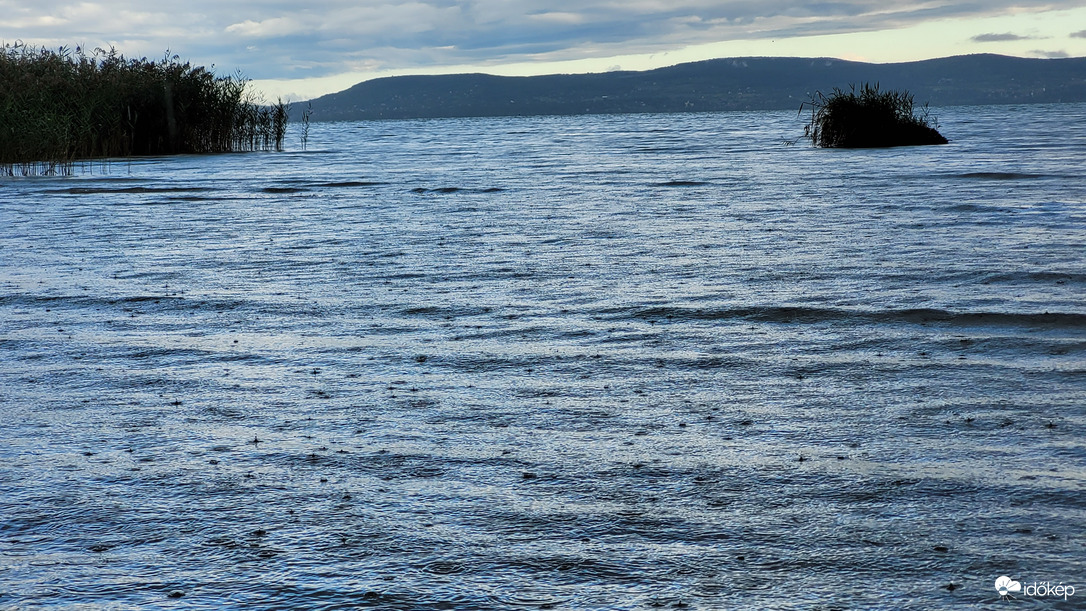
(60,106)
(868,118)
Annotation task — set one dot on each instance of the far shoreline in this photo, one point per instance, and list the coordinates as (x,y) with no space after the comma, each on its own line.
(707,86)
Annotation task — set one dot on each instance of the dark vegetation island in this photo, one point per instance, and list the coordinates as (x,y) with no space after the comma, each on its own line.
(60,106)
(867,119)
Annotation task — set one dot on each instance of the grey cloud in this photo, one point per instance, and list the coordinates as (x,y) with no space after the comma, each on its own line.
(1052,54)
(1080,34)
(289,39)
(998,37)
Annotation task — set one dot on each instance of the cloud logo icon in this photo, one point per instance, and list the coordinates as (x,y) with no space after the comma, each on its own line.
(1005,585)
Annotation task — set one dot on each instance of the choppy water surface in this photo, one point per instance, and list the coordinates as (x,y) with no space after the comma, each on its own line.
(621,362)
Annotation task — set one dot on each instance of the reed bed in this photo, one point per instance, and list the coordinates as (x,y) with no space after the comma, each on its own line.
(868,118)
(60,106)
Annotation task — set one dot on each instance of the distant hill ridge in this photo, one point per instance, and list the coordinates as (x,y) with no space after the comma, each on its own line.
(745,83)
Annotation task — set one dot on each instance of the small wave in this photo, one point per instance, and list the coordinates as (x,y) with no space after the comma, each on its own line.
(680,183)
(191,354)
(350,183)
(969,208)
(77,300)
(1046,319)
(541,601)
(445,311)
(142,302)
(1035,277)
(136,190)
(444,190)
(999,175)
(790,314)
(192,198)
(284,190)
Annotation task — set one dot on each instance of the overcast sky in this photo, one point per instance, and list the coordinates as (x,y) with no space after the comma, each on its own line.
(303,48)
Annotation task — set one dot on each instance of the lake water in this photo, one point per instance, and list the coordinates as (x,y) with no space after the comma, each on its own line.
(597,362)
